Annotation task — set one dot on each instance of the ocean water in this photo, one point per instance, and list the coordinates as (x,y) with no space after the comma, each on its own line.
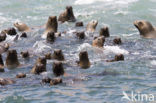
(103,82)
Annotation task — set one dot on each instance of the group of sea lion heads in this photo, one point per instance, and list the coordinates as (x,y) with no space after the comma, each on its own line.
(145,29)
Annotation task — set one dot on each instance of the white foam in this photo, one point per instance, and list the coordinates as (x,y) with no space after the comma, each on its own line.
(115,49)
(39,47)
(3,19)
(153,62)
(84,46)
(83,2)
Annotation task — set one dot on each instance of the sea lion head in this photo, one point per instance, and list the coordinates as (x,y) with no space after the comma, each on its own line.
(24,35)
(91,26)
(10,31)
(39,68)
(12,59)
(25,54)
(70,13)
(52,24)
(55,81)
(84,60)
(58,54)
(6,81)
(1,61)
(50,37)
(98,41)
(58,69)
(79,24)
(104,31)
(21,26)
(80,35)
(20,75)
(119,57)
(2,37)
(42,60)
(144,27)
(117,41)
(48,55)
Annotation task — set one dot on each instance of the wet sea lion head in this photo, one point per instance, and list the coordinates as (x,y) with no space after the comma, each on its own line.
(98,41)
(143,26)
(119,57)
(84,60)
(104,31)
(58,54)
(58,69)
(50,37)
(91,26)
(52,24)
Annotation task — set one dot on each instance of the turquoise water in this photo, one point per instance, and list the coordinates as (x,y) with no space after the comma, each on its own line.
(103,82)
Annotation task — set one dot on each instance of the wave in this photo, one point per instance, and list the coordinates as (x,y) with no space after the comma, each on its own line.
(83,2)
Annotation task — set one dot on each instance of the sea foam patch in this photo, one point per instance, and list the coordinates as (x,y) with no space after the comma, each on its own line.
(83,2)
(115,50)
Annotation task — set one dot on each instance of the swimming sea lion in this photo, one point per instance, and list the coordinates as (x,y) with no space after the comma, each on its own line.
(104,32)
(84,60)
(98,41)
(145,28)
(20,75)
(3,47)
(67,15)
(79,24)
(80,35)
(48,56)
(117,41)
(24,35)
(9,31)
(118,57)
(55,81)
(58,69)
(12,59)
(6,81)
(58,55)
(22,27)
(25,54)
(2,37)
(91,26)
(40,66)
(50,37)
(51,25)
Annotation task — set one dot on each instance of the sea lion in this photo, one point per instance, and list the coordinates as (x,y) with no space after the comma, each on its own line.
(50,37)
(24,35)
(58,69)
(6,81)
(9,31)
(21,75)
(40,66)
(55,81)
(58,55)
(3,47)
(98,41)
(12,59)
(104,32)
(48,56)
(145,28)
(91,26)
(80,35)
(117,41)
(2,37)
(67,15)
(22,27)
(25,54)
(79,24)
(84,60)
(1,64)
(118,57)
(51,25)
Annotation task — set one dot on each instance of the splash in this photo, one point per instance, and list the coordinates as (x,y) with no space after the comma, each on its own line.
(83,2)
